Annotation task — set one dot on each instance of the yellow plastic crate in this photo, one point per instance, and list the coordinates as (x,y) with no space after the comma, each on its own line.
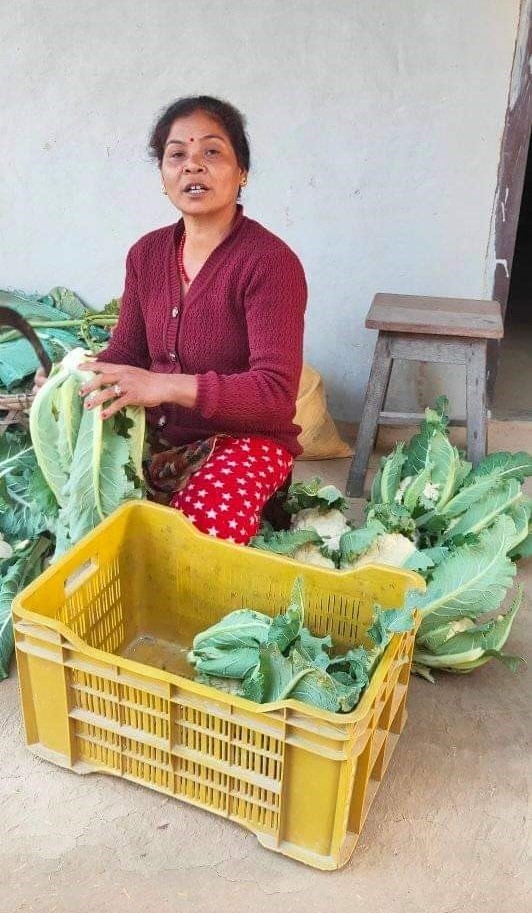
(300,778)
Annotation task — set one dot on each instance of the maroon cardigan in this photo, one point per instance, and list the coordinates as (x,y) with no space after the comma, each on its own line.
(239,329)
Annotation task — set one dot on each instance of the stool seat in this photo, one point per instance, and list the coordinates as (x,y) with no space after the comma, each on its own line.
(421,328)
(436,316)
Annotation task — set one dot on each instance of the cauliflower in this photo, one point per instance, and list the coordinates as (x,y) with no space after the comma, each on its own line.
(5,549)
(432,491)
(310,554)
(389,548)
(329,524)
(399,494)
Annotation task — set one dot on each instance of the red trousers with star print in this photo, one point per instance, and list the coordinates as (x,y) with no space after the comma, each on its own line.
(225,498)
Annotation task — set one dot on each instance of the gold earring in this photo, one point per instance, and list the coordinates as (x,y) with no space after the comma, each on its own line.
(243,182)
(164,190)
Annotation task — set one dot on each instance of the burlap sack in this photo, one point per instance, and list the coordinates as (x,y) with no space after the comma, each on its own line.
(319,438)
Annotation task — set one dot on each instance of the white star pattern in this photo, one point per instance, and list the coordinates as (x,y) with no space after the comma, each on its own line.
(238,481)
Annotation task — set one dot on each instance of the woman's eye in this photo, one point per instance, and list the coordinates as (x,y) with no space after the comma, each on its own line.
(212,152)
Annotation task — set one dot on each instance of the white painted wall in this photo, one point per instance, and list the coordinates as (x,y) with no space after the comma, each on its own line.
(375,129)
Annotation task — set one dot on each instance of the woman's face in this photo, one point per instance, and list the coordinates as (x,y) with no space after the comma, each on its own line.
(199,168)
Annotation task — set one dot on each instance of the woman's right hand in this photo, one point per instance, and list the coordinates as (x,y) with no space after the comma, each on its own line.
(38,380)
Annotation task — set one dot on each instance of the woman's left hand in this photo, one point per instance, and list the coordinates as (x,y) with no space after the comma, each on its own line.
(123,385)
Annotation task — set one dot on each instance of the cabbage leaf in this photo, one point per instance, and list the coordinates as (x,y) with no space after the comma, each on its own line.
(471,581)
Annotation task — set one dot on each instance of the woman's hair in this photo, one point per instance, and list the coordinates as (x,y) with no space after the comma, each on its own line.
(227,116)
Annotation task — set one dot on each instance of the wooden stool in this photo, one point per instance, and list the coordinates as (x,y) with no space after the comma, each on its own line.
(450,330)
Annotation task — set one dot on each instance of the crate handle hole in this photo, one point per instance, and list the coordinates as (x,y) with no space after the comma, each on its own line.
(80,575)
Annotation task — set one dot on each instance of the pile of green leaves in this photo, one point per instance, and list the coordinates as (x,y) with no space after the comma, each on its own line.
(467,527)
(28,512)
(274,659)
(427,490)
(61,320)
(24,565)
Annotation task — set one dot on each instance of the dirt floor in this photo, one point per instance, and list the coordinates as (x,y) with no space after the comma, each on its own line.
(447,833)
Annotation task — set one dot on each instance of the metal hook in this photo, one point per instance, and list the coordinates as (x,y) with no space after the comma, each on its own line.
(11,318)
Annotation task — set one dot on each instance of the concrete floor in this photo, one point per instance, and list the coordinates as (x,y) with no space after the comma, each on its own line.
(447,833)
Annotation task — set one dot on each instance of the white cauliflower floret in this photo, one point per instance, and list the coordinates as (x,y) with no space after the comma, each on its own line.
(310,554)
(329,524)
(5,549)
(432,491)
(390,548)
(401,490)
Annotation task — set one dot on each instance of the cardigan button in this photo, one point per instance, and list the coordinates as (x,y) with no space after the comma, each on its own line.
(175,312)
(162,421)
(172,356)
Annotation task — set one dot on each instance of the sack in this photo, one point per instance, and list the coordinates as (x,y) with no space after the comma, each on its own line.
(319,438)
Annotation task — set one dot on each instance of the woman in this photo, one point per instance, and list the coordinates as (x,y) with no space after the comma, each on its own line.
(210,332)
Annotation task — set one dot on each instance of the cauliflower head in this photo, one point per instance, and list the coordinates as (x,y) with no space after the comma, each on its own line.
(389,548)
(310,554)
(329,524)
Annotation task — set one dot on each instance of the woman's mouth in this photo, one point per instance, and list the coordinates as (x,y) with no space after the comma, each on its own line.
(195,190)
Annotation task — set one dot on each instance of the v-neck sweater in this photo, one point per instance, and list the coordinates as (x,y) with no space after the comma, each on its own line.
(238,329)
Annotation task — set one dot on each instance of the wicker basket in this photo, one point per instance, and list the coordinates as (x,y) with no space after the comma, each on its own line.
(14,408)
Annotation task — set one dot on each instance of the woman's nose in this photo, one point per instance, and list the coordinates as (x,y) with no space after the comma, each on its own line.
(194,163)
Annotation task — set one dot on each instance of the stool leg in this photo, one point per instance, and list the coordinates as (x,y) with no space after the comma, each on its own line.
(476,401)
(379,379)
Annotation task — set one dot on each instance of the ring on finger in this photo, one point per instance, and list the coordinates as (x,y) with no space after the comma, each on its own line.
(117,390)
